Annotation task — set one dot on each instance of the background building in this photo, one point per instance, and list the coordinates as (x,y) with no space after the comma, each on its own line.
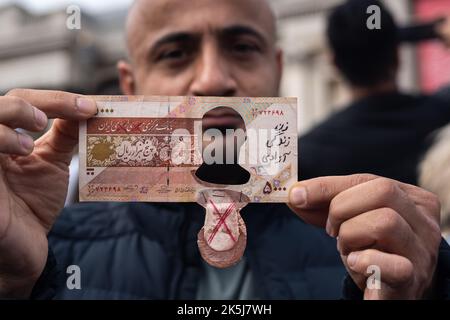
(39,51)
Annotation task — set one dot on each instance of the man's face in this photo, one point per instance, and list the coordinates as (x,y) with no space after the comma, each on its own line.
(201,48)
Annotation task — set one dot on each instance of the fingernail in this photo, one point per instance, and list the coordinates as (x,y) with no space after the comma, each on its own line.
(298,196)
(352,258)
(86,106)
(338,246)
(328,229)
(41,118)
(26,142)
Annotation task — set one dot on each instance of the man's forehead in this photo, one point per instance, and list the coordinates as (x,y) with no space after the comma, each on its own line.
(162,16)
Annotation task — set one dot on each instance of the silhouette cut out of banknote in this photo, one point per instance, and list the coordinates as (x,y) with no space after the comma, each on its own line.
(167,149)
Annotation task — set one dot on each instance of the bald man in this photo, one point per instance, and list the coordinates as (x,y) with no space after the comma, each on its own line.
(149,251)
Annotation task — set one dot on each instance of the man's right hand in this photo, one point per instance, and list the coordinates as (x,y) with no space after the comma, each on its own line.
(33,179)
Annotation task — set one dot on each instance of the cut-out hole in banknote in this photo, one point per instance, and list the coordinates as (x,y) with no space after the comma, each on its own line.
(219,152)
(225,168)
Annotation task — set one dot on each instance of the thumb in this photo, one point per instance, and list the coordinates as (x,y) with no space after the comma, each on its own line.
(310,199)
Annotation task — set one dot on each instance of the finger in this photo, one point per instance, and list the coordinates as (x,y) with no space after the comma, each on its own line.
(15,143)
(18,113)
(372,195)
(310,199)
(377,290)
(393,270)
(58,143)
(382,229)
(58,104)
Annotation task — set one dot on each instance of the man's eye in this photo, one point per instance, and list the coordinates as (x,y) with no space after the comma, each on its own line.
(244,48)
(173,55)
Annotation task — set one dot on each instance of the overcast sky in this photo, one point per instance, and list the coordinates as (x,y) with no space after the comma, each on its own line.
(90,5)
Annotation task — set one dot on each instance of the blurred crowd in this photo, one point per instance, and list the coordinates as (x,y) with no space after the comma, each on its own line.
(383,130)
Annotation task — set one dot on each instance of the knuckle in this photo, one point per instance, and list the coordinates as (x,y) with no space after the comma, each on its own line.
(434,199)
(433,257)
(434,239)
(323,188)
(63,102)
(7,145)
(388,223)
(422,279)
(17,110)
(344,234)
(357,179)
(365,259)
(386,188)
(434,204)
(345,239)
(335,214)
(403,271)
(62,98)
(15,92)
(16,101)
(57,95)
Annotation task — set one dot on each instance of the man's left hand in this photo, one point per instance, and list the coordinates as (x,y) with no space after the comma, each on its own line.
(377,222)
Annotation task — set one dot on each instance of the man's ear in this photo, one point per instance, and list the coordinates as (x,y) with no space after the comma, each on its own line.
(126,78)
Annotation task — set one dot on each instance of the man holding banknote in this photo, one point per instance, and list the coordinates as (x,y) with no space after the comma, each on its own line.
(139,250)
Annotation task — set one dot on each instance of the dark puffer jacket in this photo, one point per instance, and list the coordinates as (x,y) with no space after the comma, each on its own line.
(149,251)
(145,251)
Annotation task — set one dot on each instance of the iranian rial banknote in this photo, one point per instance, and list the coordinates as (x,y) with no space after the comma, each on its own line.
(155,149)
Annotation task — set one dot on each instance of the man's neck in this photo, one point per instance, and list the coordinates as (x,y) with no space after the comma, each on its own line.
(359,93)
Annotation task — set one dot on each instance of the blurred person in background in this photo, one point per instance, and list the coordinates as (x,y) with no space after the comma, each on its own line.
(435,167)
(149,250)
(383,131)
(435,176)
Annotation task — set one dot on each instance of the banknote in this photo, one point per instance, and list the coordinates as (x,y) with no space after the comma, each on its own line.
(170,149)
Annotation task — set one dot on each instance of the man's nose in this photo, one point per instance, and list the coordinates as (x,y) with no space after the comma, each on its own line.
(213,75)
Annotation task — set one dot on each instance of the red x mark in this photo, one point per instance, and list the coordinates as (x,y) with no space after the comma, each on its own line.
(221,222)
